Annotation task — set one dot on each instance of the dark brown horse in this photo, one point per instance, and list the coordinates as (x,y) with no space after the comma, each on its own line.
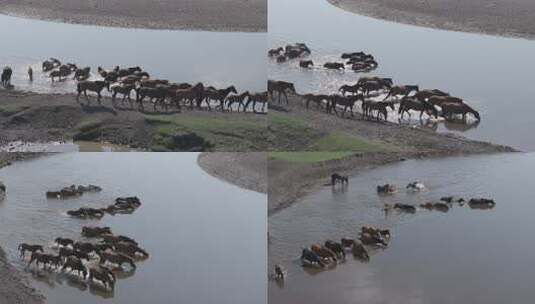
(102,275)
(368,107)
(348,102)
(219,96)
(281,87)
(404,90)
(306,64)
(255,98)
(450,109)
(239,99)
(334,66)
(94,86)
(411,103)
(23,248)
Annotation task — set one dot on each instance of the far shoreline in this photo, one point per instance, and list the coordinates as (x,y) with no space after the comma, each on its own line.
(439,16)
(188,15)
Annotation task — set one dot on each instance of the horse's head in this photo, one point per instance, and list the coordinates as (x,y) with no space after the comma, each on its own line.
(232,89)
(476,114)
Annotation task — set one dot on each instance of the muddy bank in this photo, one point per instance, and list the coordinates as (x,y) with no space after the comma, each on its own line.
(33,117)
(247,169)
(211,15)
(13,288)
(503,18)
(294,128)
(7,159)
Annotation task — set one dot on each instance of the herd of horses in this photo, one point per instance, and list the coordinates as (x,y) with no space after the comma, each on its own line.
(125,82)
(99,256)
(409,97)
(328,254)
(359,62)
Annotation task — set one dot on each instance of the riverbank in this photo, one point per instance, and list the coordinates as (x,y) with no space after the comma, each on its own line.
(210,15)
(13,287)
(345,145)
(247,169)
(501,18)
(33,117)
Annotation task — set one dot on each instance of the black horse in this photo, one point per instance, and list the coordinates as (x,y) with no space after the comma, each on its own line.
(6,77)
(339,178)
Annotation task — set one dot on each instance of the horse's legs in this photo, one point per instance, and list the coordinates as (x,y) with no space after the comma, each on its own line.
(86,97)
(99,97)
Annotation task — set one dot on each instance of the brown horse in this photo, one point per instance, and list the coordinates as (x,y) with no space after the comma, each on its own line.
(368,107)
(75,265)
(192,95)
(317,99)
(239,99)
(334,66)
(155,95)
(255,98)
(91,232)
(123,89)
(404,90)
(324,252)
(275,52)
(93,86)
(219,96)
(450,109)
(306,64)
(354,89)
(116,259)
(102,275)
(30,248)
(411,103)
(386,82)
(281,87)
(439,100)
(371,86)
(346,102)
(423,95)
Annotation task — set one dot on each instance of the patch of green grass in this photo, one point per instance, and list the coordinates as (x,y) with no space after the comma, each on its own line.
(308,157)
(343,142)
(11,109)
(223,134)
(279,119)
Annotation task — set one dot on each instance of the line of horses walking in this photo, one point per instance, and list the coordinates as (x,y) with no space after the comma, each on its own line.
(366,90)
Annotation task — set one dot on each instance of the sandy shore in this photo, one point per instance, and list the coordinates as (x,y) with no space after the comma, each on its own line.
(512,18)
(247,169)
(13,287)
(33,117)
(212,15)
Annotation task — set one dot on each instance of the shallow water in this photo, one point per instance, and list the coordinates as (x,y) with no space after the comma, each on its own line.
(200,252)
(215,58)
(493,74)
(462,256)
(68,146)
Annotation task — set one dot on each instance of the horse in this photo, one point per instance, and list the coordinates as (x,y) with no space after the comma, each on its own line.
(219,95)
(155,95)
(59,74)
(439,100)
(323,252)
(115,239)
(279,272)
(351,55)
(404,90)
(130,250)
(192,94)
(449,109)
(123,89)
(239,99)
(371,86)
(317,99)
(335,177)
(308,257)
(50,64)
(64,242)
(369,106)
(481,203)
(257,97)
(103,275)
(346,101)
(386,82)
(275,52)
(411,103)
(281,87)
(360,252)
(95,231)
(6,77)
(423,95)
(75,264)
(82,74)
(306,63)
(94,86)
(336,248)
(349,88)
(334,66)
(31,248)
(405,208)
(117,259)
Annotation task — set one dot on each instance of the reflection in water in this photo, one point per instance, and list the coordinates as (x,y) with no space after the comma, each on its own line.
(218,59)
(200,252)
(433,256)
(451,61)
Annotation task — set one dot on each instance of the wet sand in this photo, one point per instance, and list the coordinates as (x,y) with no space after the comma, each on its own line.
(514,18)
(247,169)
(14,289)
(212,15)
